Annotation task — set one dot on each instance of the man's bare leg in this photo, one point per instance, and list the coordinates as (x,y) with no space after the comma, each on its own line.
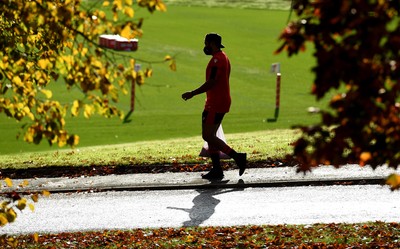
(216,145)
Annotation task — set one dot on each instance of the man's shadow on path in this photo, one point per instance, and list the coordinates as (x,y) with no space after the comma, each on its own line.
(204,204)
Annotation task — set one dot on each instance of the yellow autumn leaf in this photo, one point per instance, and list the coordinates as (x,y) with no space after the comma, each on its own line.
(35,197)
(88,111)
(21,204)
(31,116)
(141,3)
(393,181)
(132,63)
(17,80)
(4,205)
(129,11)
(102,14)
(24,183)
(172,65)
(167,58)
(28,113)
(29,64)
(190,239)
(13,242)
(118,4)
(120,67)
(140,79)
(84,51)
(80,28)
(126,32)
(148,73)
(11,215)
(45,193)
(365,157)
(31,207)
(8,182)
(20,62)
(4,63)
(106,3)
(73,140)
(67,59)
(19,105)
(43,63)
(62,139)
(47,93)
(62,121)
(36,237)
(75,108)
(28,137)
(161,6)
(96,64)
(3,219)
(75,51)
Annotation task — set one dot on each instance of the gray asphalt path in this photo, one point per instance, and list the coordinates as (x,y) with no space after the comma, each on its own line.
(209,207)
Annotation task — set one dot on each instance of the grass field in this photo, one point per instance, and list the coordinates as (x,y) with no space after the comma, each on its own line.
(244,4)
(250,37)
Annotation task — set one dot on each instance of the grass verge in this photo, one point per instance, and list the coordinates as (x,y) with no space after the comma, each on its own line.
(259,146)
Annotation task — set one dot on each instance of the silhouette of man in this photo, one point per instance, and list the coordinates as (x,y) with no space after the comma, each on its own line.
(218,102)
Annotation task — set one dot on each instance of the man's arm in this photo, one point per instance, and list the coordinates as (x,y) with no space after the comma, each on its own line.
(203,88)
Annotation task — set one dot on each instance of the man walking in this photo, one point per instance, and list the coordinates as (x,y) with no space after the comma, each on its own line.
(218,102)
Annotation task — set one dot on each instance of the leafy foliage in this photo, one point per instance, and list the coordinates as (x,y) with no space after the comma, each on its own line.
(367,235)
(54,42)
(357,51)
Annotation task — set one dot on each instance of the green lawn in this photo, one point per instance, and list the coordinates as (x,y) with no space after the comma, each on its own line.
(250,37)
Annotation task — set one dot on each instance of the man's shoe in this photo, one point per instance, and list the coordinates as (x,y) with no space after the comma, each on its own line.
(214,175)
(241,162)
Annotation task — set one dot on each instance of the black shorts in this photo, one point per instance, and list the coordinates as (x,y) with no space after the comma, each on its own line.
(210,117)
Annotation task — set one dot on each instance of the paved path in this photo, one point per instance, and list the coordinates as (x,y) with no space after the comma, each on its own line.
(184,199)
(209,207)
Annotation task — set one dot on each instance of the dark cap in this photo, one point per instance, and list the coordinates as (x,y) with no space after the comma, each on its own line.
(216,38)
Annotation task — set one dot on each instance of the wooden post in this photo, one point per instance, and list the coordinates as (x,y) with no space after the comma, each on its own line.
(278,90)
(277,98)
(133,95)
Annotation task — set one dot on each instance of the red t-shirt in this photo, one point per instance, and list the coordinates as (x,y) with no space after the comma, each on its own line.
(219,97)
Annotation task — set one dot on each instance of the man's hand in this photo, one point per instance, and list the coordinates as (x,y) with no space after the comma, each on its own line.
(187,95)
